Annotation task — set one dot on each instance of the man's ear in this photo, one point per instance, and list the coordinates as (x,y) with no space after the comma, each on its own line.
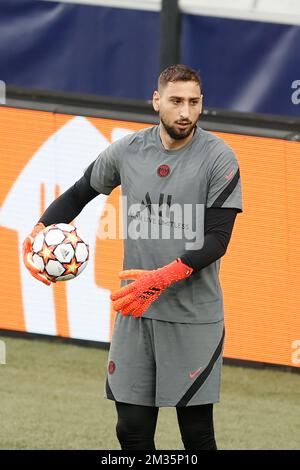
(155,101)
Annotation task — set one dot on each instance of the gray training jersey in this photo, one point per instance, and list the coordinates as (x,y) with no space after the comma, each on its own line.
(164,197)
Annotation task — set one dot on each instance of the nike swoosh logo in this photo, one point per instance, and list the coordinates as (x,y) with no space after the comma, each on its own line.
(193,374)
(228,177)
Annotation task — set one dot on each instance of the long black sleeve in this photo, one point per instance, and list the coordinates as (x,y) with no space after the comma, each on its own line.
(67,206)
(218,228)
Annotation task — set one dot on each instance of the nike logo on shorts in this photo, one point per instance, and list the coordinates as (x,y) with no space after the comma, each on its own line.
(228,177)
(192,375)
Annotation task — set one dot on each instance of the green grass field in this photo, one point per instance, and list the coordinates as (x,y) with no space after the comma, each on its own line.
(52,398)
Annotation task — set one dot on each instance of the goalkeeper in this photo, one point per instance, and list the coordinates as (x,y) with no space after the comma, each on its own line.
(168,337)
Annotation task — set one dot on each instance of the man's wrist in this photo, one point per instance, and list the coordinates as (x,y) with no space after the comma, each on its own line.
(176,271)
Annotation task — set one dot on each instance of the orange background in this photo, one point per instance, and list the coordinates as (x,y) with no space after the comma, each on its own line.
(260,272)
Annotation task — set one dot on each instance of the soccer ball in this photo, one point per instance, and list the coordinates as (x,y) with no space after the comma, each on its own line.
(60,252)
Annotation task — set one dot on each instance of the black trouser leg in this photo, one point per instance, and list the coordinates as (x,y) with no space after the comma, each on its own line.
(196,427)
(136,426)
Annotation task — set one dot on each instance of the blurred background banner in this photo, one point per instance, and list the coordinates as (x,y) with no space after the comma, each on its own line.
(247,51)
(43,153)
(76,47)
(247,66)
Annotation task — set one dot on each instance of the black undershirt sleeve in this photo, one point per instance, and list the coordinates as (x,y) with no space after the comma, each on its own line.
(218,228)
(67,206)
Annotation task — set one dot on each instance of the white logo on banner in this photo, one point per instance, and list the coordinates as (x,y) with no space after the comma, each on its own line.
(296,93)
(2,92)
(2,352)
(269,11)
(150,5)
(60,161)
(296,353)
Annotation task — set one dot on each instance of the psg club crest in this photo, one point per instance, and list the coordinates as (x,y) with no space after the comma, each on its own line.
(111,367)
(163,171)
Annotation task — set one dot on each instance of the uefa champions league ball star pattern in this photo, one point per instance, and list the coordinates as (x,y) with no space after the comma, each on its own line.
(60,252)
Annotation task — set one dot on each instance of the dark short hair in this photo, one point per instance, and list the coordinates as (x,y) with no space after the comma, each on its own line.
(179,73)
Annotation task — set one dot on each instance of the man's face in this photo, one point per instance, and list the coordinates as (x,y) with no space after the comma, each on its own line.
(179,105)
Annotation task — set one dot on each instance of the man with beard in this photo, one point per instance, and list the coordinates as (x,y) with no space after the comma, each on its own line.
(167,344)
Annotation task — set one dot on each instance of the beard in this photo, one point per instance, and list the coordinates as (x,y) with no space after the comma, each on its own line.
(178,134)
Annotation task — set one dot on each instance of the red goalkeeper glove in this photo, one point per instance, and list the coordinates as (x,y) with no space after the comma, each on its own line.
(27,254)
(136,297)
